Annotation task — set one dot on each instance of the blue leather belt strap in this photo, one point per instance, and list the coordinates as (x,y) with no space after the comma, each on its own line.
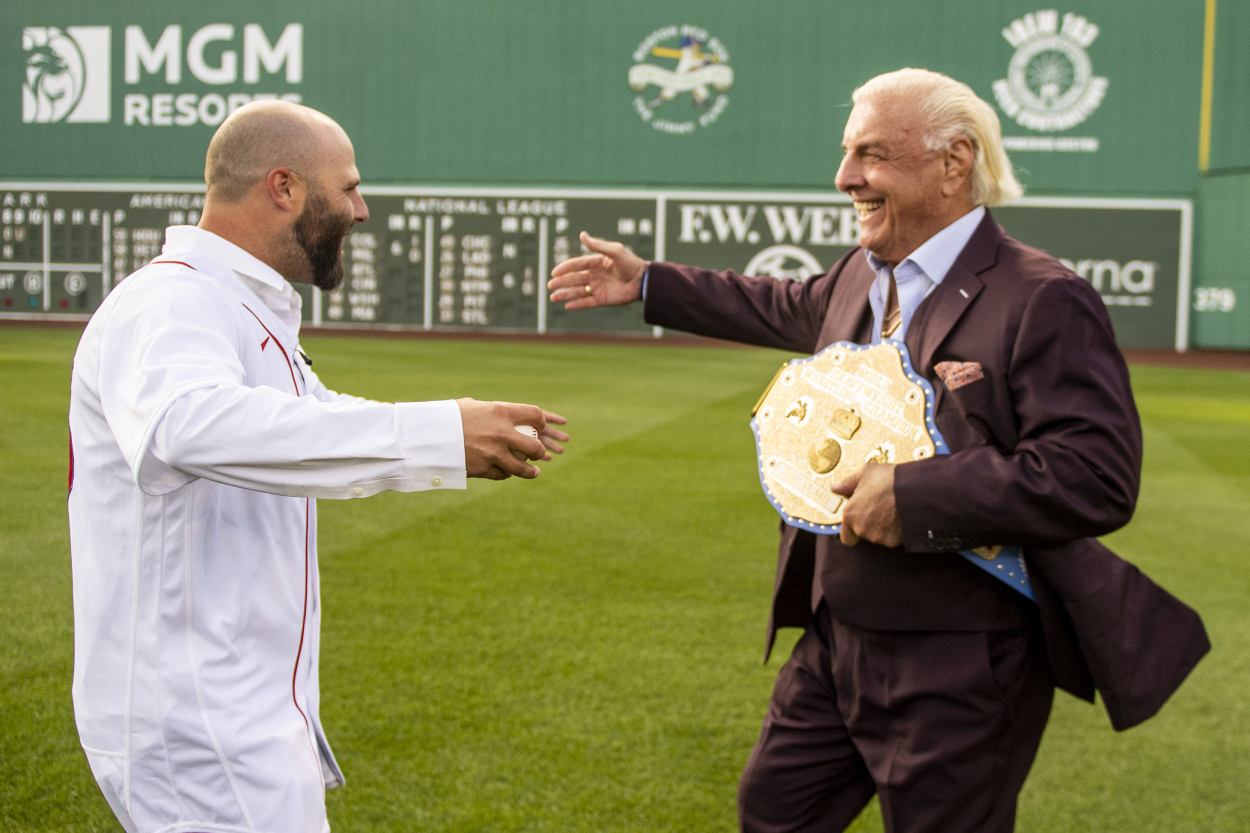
(1007,566)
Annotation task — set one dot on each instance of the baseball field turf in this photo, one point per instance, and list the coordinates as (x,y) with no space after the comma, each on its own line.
(583,652)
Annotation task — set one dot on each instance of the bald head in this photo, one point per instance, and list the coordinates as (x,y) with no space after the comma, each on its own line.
(282,185)
(264,135)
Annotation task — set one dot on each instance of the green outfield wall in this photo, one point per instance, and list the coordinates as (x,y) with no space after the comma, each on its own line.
(1230,100)
(1100,100)
(1221,302)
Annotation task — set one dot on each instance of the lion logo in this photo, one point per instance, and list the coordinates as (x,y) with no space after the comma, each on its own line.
(55,75)
(66,74)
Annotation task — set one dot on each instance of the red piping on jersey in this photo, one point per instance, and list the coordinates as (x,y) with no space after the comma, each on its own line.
(258,321)
(280,347)
(307,512)
(303,624)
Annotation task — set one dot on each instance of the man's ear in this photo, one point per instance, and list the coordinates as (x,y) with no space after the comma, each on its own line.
(960,157)
(286,189)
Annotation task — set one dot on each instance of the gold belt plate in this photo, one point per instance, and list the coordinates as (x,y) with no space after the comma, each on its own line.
(824,418)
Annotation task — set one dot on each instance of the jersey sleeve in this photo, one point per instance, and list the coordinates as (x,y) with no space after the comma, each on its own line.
(271,441)
(173,390)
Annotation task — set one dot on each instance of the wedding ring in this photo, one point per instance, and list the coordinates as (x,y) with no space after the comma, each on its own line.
(589,291)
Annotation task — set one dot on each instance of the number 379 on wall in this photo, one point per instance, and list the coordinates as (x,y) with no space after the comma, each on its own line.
(1212,299)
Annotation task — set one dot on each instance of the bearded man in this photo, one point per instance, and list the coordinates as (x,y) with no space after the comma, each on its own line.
(919,677)
(200,439)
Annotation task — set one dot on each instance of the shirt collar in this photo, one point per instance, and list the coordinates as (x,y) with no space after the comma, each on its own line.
(937,255)
(269,286)
(193,238)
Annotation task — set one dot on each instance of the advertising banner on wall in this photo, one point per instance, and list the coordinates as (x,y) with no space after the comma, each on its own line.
(1097,97)
(478,259)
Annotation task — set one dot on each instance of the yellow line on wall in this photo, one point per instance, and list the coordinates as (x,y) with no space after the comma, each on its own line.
(1208,84)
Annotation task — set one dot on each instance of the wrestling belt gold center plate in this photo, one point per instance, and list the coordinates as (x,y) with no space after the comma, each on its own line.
(824,418)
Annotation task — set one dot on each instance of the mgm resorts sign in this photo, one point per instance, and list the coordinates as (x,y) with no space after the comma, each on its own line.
(69,72)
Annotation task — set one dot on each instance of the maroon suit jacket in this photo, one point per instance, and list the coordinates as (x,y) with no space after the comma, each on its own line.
(1046,453)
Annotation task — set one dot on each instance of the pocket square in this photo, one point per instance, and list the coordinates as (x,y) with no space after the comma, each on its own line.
(957,374)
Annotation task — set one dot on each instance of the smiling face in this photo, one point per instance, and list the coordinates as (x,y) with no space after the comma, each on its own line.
(904,193)
(332,205)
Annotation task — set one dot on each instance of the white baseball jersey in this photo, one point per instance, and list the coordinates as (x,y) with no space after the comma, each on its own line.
(200,438)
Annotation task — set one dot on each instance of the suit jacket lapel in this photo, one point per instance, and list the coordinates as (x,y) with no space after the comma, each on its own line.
(955,294)
(849,302)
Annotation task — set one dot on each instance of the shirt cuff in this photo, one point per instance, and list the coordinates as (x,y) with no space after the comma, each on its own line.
(432,439)
(645,275)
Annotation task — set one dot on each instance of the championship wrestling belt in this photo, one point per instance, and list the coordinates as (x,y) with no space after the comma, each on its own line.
(824,418)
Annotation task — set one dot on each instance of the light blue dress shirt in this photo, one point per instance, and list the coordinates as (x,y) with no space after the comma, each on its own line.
(920,272)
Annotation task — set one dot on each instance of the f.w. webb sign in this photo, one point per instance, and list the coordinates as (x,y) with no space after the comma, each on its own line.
(1134,252)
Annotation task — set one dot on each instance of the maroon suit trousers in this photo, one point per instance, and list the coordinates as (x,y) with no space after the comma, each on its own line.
(942,725)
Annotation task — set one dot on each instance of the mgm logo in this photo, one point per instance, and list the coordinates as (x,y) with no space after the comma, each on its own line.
(68,71)
(67,74)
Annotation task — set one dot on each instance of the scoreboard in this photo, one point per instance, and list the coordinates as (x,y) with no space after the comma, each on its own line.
(424,260)
(477,259)
(480,260)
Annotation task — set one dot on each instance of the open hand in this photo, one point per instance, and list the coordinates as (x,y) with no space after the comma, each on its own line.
(490,438)
(870,513)
(611,277)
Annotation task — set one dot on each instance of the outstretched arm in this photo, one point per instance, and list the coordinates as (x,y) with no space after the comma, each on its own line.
(488,450)
(175,396)
(785,314)
(610,277)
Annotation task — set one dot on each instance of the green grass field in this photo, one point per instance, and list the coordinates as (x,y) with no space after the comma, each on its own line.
(583,652)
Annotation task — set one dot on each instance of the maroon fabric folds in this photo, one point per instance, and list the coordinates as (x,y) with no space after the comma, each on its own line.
(1034,401)
(973,704)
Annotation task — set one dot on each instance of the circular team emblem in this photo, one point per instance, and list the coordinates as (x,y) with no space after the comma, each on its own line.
(676,66)
(55,74)
(784,262)
(1050,83)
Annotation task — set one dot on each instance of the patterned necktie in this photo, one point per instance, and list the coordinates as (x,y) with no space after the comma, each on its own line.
(893,315)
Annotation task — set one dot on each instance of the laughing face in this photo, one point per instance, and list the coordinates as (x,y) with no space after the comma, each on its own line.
(312,252)
(903,192)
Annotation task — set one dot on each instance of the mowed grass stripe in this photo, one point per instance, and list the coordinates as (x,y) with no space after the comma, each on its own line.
(44,780)
(1186,768)
(582,652)
(578,635)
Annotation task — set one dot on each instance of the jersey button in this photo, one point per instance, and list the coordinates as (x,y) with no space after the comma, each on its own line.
(358,492)
(436,481)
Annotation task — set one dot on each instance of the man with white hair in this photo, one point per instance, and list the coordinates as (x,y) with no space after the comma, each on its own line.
(200,441)
(920,677)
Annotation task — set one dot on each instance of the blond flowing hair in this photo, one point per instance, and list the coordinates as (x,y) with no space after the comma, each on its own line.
(952,110)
